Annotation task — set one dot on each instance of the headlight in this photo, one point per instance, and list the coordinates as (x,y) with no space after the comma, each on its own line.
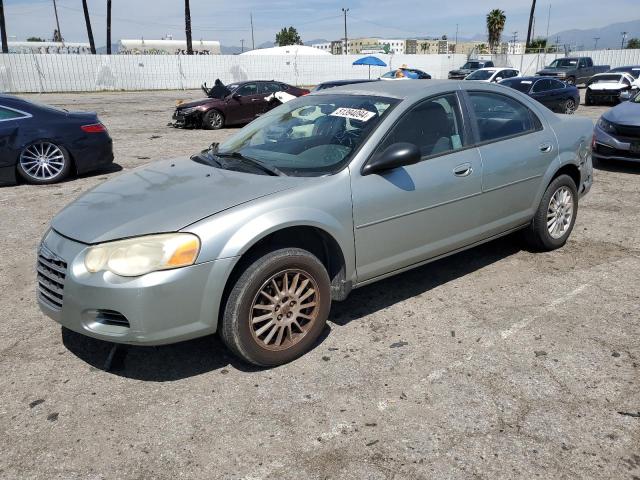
(142,255)
(606,125)
(187,111)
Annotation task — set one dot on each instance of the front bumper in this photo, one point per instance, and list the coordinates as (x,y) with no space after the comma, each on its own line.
(154,309)
(180,119)
(609,147)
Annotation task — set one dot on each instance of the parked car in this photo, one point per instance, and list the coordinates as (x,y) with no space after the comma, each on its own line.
(415,74)
(469,67)
(552,93)
(617,133)
(633,70)
(245,103)
(255,237)
(573,70)
(493,74)
(339,83)
(607,87)
(42,144)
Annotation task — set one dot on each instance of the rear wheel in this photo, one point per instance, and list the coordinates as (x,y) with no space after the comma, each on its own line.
(277,308)
(569,107)
(553,222)
(213,120)
(44,162)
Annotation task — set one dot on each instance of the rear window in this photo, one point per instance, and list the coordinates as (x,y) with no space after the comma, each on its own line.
(606,78)
(521,85)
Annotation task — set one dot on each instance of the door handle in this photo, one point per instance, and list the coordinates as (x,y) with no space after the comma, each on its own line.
(255,99)
(545,147)
(463,170)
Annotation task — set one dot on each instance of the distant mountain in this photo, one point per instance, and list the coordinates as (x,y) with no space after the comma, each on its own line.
(609,36)
(103,50)
(317,40)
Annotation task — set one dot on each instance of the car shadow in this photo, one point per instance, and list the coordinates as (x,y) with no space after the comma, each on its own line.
(618,166)
(203,355)
(107,169)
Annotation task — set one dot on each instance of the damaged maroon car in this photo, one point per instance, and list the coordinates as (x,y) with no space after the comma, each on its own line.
(235,104)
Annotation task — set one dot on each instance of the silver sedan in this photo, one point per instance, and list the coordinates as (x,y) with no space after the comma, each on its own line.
(254,238)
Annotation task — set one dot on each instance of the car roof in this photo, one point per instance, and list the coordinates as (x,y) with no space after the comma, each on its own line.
(399,90)
(348,82)
(620,74)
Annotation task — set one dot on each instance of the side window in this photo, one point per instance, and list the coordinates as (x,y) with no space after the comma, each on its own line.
(8,114)
(588,62)
(582,63)
(434,125)
(247,89)
(541,86)
(499,116)
(271,87)
(556,85)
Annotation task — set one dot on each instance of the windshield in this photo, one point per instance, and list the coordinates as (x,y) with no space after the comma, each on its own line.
(311,135)
(481,75)
(606,79)
(471,66)
(521,85)
(391,74)
(564,63)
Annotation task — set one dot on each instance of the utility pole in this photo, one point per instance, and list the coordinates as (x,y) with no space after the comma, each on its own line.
(242,45)
(624,39)
(530,33)
(595,44)
(87,20)
(253,42)
(3,29)
(187,26)
(346,40)
(455,49)
(55,10)
(515,39)
(108,27)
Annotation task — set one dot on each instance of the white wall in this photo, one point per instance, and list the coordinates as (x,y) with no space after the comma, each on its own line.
(74,73)
(60,73)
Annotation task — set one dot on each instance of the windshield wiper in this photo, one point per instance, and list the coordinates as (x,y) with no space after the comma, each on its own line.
(206,157)
(257,163)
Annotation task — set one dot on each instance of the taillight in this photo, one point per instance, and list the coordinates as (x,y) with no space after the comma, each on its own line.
(94,128)
(305,92)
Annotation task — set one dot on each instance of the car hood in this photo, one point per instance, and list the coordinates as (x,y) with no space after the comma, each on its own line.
(548,70)
(162,197)
(627,113)
(199,103)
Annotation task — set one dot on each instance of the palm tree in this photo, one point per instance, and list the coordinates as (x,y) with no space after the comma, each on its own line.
(3,29)
(531,15)
(495,25)
(187,26)
(108,27)
(88,22)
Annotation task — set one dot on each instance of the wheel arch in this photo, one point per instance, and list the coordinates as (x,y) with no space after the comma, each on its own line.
(569,169)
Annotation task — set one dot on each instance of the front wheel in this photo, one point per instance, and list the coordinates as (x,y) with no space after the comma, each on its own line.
(553,221)
(213,120)
(570,81)
(277,308)
(44,162)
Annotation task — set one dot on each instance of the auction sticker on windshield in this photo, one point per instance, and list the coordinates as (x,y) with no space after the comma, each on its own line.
(353,114)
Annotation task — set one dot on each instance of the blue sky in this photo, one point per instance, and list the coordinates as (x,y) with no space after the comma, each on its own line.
(229,21)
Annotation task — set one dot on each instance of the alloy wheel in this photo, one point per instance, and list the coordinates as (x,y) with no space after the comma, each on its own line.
(560,212)
(284,309)
(42,161)
(570,107)
(215,120)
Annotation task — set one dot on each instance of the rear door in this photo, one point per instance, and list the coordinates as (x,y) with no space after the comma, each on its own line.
(10,120)
(541,91)
(516,148)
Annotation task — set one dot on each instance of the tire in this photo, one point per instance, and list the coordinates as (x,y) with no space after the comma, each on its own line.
(588,100)
(539,233)
(571,81)
(213,120)
(282,334)
(569,106)
(43,162)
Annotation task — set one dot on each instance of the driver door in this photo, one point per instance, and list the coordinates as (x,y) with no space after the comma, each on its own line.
(244,103)
(412,213)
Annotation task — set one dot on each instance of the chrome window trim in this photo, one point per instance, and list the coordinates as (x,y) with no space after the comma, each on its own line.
(24,114)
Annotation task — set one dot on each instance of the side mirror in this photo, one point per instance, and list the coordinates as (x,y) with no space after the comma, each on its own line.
(235,96)
(497,79)
(394,156)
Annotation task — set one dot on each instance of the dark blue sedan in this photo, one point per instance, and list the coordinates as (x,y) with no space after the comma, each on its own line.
(552,93)
(43,144)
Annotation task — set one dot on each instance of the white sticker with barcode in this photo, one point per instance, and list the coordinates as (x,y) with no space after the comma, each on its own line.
(354,114)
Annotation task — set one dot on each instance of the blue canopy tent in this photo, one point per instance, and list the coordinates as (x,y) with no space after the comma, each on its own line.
(375,61)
